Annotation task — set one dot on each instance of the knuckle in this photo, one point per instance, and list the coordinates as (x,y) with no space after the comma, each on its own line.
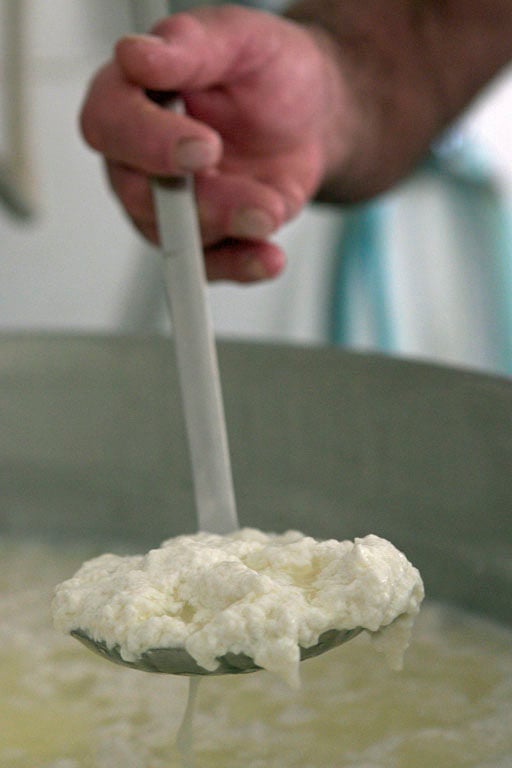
(293,198)
(88,125)
(133,191)
(136,199)
(93,113)
(182,25)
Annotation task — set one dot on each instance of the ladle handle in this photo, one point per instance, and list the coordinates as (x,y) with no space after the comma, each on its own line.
(185,281)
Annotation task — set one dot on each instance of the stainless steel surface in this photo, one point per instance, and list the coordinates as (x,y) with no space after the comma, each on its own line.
(177,661)
(201,395)
(93,448)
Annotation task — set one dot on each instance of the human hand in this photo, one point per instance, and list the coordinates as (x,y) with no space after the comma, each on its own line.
(262,98)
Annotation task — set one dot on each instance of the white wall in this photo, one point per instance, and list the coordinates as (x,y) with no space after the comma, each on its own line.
(489,122)
(63,269)
(79,266)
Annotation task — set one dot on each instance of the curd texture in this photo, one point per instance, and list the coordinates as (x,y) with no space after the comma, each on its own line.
(264,595)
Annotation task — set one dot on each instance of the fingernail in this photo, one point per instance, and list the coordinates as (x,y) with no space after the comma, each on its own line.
(253,269)
(251,222)
(193,154)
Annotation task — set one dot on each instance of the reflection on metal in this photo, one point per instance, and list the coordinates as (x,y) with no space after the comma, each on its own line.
(16,183)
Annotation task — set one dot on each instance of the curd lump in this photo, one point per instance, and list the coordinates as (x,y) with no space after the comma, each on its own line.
(264,595)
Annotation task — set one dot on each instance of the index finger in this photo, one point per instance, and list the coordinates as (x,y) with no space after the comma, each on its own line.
(120,121)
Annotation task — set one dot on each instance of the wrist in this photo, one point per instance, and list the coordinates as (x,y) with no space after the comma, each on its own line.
(399,74)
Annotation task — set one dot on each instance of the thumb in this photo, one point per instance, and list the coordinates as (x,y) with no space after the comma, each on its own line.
(199,49)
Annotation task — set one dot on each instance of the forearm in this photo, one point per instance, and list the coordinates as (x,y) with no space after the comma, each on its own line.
(407,68)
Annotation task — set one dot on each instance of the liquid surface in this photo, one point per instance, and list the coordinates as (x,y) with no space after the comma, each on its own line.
(62,707)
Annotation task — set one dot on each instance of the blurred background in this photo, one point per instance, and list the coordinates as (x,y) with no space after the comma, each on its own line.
(423,272)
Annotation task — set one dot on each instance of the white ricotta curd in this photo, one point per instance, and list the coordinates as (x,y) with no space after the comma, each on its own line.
(264,595)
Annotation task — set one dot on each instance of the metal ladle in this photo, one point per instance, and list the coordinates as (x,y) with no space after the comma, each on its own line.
(184,276)
(177,661)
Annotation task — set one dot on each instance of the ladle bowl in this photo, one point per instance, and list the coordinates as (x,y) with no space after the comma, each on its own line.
(177,661)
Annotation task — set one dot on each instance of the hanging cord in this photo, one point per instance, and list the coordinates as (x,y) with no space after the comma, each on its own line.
(477,206)
(360,260)
(482,208)
(16,182)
